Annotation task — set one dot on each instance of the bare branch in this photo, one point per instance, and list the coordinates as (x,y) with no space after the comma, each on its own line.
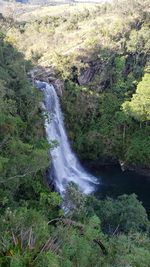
(14,238)
(116,230)
(16,176)
(29,241)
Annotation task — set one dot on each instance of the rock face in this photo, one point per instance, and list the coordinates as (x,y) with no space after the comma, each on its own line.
(88,74)
(59,85)
(46,75)
(42,74)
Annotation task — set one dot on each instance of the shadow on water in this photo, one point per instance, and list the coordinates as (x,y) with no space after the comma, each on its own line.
(114,182)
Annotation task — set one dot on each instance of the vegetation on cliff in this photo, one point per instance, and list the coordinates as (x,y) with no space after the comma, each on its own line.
(103,55)
(106,104)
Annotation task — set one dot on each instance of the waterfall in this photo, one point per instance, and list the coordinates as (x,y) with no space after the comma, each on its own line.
(65,165)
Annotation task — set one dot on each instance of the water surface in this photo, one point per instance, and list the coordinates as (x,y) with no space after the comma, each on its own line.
(114,182)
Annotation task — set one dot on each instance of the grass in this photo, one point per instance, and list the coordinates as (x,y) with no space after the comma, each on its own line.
(73,37)
(34,12)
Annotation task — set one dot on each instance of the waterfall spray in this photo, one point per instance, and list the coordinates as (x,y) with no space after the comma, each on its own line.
(65,165)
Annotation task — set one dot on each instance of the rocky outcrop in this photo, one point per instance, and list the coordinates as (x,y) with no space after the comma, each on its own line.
(86,76)
(46,75)
(93,68)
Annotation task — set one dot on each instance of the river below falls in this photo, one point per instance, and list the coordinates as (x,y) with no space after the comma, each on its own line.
(114,182)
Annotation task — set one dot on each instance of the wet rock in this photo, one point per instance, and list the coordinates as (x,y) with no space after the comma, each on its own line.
(122,165)
(46,75)
(59,86)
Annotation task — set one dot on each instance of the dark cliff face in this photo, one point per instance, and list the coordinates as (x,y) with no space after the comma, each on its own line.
(88,74)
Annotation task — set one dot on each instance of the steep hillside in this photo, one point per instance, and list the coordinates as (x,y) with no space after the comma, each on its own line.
(101,53)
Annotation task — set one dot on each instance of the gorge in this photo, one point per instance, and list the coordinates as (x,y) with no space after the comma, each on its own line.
(96,57)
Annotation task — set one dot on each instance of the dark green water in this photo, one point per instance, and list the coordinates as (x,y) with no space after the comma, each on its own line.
(114,182)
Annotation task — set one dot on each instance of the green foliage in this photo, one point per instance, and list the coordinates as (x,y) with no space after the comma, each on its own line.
(107,118)
(74,202)
(139,106)
(127,250)
(23,153)
(26,203)
(139,151)
(115,214)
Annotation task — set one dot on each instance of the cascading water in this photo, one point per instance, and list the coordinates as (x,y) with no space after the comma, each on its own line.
(65,165)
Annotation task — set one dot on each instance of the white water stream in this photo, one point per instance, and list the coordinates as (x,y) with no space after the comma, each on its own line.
(65,165)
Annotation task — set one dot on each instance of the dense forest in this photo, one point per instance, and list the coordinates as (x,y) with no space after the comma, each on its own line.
(102,55)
